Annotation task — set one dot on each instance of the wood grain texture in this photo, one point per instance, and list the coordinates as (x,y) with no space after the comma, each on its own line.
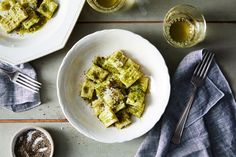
(69,142)
(221,33)
(139,22)
(220,38)
(33,120)
(155,10)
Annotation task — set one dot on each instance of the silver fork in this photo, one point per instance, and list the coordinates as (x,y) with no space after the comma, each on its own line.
(197,79)
(23,80)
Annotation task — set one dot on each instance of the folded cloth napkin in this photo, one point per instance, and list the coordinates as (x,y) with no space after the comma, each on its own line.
(14,97)
(211,125)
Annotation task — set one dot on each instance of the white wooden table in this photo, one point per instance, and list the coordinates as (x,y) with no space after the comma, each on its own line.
(221,38)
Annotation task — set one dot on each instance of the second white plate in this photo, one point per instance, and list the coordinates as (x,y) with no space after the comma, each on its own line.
(53,36)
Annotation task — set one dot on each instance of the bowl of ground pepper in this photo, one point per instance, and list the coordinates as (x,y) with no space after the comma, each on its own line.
(32,142)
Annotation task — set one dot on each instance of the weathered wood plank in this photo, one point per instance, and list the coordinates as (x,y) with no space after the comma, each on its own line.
(220,38)
(69,142)
(155,10)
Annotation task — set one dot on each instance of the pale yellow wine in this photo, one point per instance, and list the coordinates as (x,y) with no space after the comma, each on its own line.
(184,26)
(181,31)
(107,3)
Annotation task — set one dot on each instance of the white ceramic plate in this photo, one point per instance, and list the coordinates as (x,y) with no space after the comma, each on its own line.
(17,49)
(79,59)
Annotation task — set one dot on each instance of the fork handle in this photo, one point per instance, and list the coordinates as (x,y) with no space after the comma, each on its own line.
(181,123)
(4,71)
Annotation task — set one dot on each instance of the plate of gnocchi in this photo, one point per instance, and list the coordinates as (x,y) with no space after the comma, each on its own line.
(30,29)
(113,86)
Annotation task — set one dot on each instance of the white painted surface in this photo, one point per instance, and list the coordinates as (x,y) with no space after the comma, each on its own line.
(154,10)
(220,38)
(69,142)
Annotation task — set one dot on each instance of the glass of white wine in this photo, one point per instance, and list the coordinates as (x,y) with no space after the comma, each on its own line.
(184,26)
(106,6)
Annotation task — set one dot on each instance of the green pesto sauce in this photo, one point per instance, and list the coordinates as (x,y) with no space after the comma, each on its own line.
(43,20)
(44,7)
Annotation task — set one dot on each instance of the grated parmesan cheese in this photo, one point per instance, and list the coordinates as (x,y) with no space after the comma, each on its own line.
(118,64)
(111,94)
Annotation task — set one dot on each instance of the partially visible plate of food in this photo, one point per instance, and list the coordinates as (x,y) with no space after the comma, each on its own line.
(113,86)
(30,29)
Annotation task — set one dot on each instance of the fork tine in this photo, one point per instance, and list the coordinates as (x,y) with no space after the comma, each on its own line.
(29,78)
(200,65)
(204,63)
(25,86)
(197,69)
(208,65)
(28,81)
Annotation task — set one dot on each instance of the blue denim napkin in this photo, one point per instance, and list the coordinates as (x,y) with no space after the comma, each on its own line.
(211,126)
(14,97)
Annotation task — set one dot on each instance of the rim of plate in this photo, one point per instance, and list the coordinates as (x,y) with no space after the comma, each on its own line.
(71,119)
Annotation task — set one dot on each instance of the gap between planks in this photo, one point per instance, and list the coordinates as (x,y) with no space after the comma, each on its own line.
(131,22)
(91,22)
(33,120)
